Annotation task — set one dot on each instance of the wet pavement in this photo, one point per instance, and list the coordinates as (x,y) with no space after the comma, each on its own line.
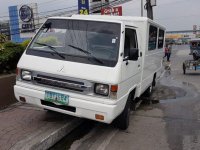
(172,123)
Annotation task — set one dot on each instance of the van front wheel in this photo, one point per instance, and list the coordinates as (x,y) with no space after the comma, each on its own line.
(122,121)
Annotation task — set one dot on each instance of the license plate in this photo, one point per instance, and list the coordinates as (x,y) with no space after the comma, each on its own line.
(56,98)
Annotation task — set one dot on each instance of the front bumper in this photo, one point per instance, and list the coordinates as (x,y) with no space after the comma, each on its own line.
(85,106)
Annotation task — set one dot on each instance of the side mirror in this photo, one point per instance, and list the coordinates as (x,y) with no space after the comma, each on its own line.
(134,54)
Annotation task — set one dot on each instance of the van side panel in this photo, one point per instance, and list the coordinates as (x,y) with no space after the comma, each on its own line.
(152,61)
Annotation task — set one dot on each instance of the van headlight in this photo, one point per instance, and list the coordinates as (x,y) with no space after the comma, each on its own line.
(101,89)
(26,75)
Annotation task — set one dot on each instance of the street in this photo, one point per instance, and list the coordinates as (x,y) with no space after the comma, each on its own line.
(170,122)
(100,75)
(173,123)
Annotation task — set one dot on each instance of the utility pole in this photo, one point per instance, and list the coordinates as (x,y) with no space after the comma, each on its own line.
(149,7)
(142,8)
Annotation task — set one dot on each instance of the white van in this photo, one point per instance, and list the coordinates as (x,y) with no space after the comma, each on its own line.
(91,66)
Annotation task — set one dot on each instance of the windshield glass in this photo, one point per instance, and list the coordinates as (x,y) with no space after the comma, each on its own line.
(81,41)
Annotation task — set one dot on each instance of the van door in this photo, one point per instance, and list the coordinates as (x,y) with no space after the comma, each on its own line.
(131,66)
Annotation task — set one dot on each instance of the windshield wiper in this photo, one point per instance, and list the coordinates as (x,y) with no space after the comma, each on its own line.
(52,48)
(87,53)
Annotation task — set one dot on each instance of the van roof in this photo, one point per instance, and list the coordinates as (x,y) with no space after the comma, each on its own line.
(107,17)
(113,18)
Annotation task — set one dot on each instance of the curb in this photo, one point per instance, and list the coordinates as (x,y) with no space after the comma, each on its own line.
(46,137)
(6,90)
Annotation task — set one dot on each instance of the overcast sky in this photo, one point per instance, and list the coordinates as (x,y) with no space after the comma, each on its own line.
(173,14)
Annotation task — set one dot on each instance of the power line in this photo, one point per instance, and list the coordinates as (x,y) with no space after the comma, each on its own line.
(48,2)
(43,11)
(115,2)
(72,10)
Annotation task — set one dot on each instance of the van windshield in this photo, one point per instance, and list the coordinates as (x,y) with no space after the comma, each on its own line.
(90,42)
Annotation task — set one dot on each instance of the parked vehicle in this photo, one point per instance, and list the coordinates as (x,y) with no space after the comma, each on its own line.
(191,65)
(179,42)
(91,66)
(195,48)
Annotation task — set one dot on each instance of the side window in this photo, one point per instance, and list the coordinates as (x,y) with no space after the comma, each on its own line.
(130,41)
(161,38)
(152,37)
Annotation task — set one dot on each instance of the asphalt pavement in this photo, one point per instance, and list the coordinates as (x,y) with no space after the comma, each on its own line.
(171,124)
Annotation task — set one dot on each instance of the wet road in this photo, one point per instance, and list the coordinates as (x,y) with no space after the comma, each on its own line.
(173,123)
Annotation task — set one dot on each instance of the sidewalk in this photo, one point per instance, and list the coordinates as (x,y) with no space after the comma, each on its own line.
(25,127)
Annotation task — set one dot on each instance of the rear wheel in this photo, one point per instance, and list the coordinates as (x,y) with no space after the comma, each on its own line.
(122,121)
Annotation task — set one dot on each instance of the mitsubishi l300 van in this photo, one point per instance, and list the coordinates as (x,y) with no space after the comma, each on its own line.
(91,66)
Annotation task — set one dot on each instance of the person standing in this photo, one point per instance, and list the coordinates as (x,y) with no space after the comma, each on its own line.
(169,52)
(166,51)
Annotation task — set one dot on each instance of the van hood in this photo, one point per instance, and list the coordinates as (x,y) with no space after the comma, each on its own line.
(95,73)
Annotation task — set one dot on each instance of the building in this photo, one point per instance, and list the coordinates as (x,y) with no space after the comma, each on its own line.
(179,37)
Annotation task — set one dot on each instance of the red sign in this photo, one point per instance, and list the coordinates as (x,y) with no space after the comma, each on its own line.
(114,11)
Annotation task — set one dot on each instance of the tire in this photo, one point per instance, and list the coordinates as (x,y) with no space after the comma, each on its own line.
(122,121)
(148,91)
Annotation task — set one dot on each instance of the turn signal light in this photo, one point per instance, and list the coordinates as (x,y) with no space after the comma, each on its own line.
(114,88)
(99,117)
(113,91)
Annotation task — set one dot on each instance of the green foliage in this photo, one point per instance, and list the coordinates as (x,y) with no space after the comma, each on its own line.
(9,57)
(10,53)
(1,47)
(25,43)
(3,38)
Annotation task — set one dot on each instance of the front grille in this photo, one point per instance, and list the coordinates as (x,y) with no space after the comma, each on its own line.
(68,108)
(61,83)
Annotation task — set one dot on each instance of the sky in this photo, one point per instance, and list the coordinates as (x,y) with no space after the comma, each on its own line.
(173,14)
